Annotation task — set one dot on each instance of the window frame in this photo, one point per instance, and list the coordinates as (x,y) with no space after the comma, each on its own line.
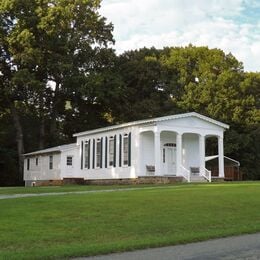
(171,145)
(69,156)
(50,162)
(125,163)
(98,155)
(28,164)
(112,147)
(87,154)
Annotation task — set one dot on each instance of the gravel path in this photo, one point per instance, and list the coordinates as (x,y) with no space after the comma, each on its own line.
(231,248)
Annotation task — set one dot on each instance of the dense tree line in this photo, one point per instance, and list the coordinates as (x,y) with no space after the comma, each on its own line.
(59,75)
(208,81)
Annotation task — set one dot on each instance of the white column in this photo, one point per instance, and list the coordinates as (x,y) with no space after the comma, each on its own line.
(157,153)
(179,153)
(202,153)
(220,156)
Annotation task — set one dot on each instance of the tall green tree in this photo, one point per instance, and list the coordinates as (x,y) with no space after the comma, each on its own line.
(48,48)
(184,79)
(143,84)
(207,79)
(214,83)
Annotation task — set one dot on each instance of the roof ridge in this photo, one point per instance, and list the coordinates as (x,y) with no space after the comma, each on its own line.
(152,120)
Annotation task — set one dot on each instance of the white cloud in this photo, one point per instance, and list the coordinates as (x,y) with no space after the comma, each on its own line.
(158,23)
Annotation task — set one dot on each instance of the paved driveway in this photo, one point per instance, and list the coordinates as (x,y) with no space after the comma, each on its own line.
(231,248)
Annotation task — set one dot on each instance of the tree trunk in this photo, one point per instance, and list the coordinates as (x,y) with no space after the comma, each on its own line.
(19,140)
(42,134)
(42,124)
(53,123)
(54,115)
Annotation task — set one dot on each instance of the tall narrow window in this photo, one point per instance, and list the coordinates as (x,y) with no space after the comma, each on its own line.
(28,164)
(125,149)
(98,153)
(51,162)
(87,154)
(69,160)
(111,151)
(36,161)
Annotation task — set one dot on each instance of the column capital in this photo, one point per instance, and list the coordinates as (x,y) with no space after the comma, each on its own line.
(156,130)
(157,133)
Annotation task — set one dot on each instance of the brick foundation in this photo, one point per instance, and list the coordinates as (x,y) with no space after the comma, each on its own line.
(159,179)
(44,183)
(78,181)
(139,180)
(129,181)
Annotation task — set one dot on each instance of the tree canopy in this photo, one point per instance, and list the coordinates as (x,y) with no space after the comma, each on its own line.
(207,81)
(49,50)
(60,75)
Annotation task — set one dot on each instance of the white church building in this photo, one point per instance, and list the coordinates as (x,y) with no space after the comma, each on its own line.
(164,146)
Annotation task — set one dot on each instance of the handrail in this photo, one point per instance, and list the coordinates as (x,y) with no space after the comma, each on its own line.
(206,174)
(185,173)
(233,160)
(212,157)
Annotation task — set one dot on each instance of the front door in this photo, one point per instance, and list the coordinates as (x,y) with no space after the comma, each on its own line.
(170,160)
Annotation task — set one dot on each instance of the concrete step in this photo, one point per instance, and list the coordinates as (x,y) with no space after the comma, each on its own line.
(197,178)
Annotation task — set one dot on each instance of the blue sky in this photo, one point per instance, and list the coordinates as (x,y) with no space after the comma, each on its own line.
(231,25)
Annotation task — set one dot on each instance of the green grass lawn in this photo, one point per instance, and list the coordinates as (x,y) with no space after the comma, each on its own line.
(65,188)
(97,223)
(73,188)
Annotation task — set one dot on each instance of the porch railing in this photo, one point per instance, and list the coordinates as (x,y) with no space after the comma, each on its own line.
(185,173)
(206,174)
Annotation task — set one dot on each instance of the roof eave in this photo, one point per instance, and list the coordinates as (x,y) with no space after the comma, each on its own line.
(150,121)
(211,120)
(41,153)
(57,149)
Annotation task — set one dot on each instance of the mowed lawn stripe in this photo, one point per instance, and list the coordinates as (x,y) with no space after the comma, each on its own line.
(72,188)
(98,189)
(94,189)
(97,223)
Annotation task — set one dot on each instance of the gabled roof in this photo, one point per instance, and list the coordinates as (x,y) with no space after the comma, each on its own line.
(153,120)
(55,149)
